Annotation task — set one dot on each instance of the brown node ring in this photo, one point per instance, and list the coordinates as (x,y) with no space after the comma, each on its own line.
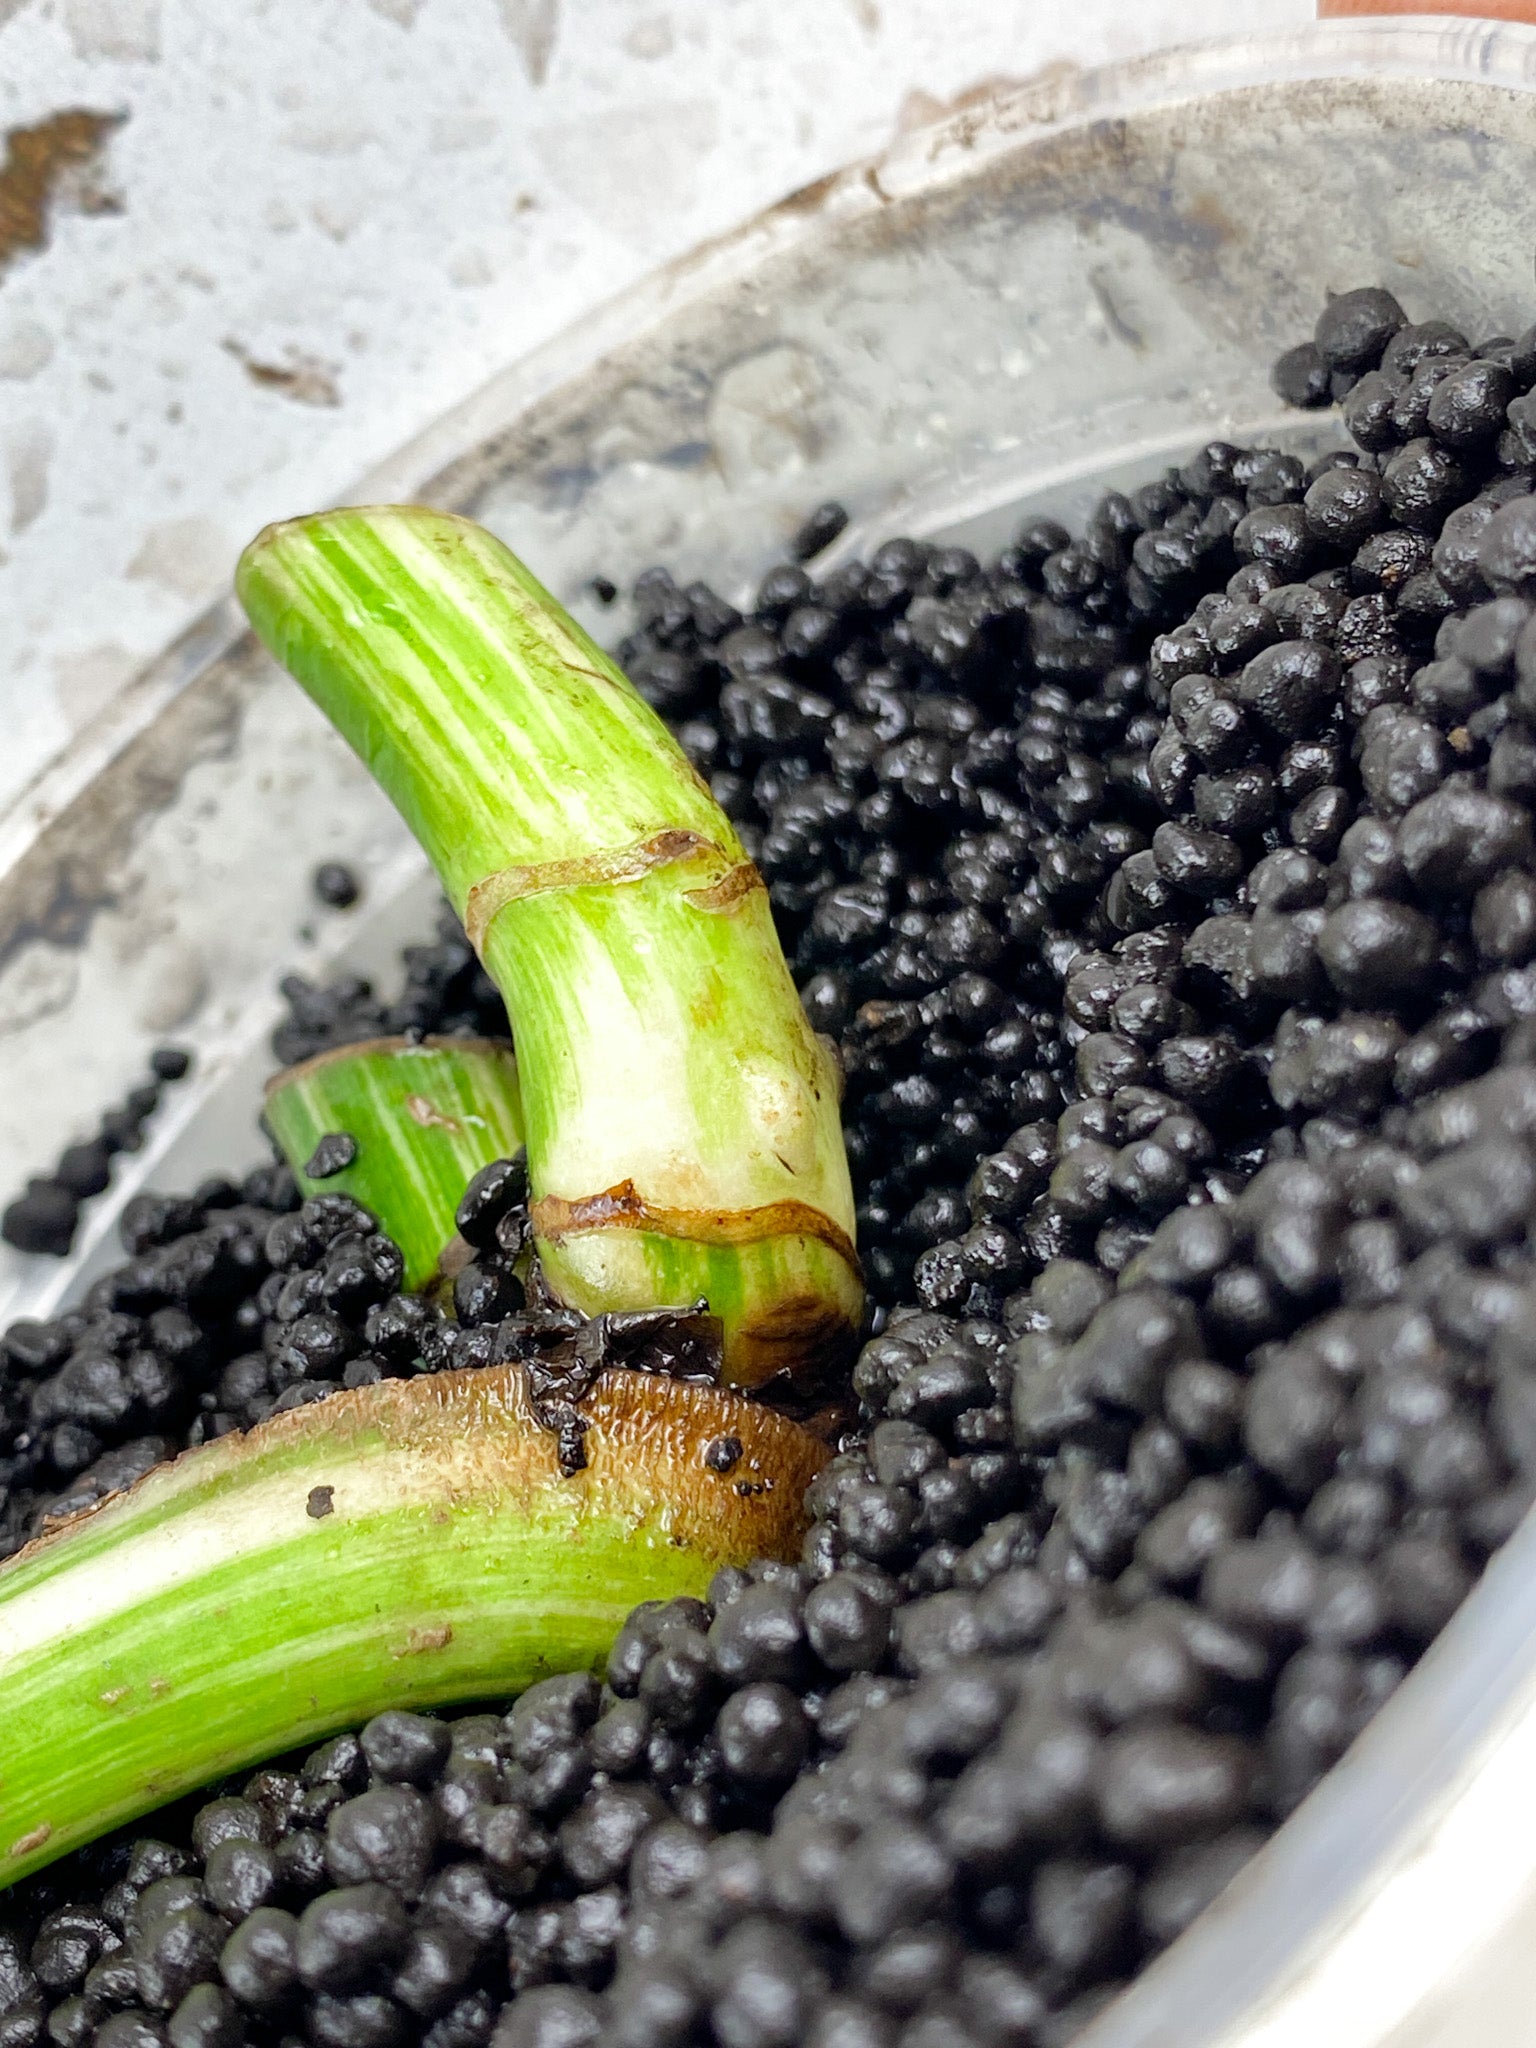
(725,894)
(611,866)
(625,1208)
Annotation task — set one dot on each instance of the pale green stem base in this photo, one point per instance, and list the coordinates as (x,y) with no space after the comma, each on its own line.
(409,1544)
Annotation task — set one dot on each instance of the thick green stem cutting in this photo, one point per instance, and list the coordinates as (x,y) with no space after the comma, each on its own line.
(422,1117)
(682,1119)
(409,1544)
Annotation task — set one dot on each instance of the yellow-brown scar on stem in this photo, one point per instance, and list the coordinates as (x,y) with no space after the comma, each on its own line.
(420,1111)
(725,894)
(33,1839)
(625,1208)
(613,865)
(422,1639)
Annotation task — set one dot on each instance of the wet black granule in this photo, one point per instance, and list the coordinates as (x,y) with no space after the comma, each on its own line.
(46,1215)
(334,1153)
(818,531)
(335,884)
(1170,893)
(444,990)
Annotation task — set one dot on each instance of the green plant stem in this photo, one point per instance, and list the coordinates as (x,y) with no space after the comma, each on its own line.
(682,1120)
(408,1544)
(425,1117)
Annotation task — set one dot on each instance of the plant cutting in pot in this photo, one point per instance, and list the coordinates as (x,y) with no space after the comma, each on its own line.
(1169,891)
(685,1209)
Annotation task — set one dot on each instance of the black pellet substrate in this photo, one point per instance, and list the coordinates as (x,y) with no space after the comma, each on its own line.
(1170,892)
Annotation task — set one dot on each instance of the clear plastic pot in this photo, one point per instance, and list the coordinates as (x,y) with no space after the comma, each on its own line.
(1060,289)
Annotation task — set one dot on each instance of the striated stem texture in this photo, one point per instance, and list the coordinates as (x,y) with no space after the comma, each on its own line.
(682,1120)
(408,1544)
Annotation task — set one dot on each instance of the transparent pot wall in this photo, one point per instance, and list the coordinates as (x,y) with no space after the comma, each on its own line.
(1061,290)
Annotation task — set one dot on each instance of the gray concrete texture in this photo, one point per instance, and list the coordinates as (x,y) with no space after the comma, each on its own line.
(297,231)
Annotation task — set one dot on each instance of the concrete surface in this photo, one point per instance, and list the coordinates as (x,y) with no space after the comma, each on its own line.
(315,224)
